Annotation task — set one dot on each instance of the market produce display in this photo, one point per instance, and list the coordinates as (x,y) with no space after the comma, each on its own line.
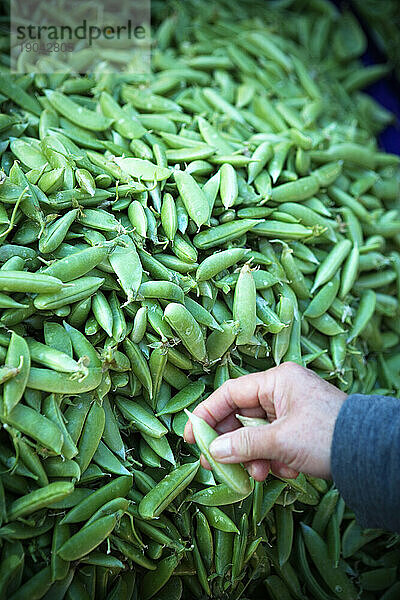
(159,235)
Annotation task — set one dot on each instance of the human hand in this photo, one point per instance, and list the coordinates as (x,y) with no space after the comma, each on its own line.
(301,407)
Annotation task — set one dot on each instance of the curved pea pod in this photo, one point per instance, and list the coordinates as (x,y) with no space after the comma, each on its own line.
(82,347)
(228,185)
(335,578)
(219,520)
(193,197)
(139,325)
(54,234)
(57,338)
(133,553)
(28,153)
(18,357)
(137,217)
(54,359)
(296,191)
(365,310)
(142,418)
(127,126)
(350,272)
(188,330)
(160,446)
(74,291)
(326,325)
(33,424)
(157,363)
(214,264)
(283,231)
(294,274)
(233,476)
(227,232)
(23,281)
(118,488)
(77,264)
(102,312)
(169,216)
(202,316)
(90,436)
(183,398)
(128,268)
(155,501)
(161,289)
(88,538)
(94,121)
(219,342)
(35,587)
(184,249)
(244,306)
(47,380)
(86,181)
(139,365)
(51,410)
(323,299)
(331,264)
(269,318)
(41,498)
(217,495)
(60,467)
(142,169)
(165,569)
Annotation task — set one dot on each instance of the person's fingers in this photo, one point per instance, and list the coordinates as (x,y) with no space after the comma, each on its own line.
(244,392)
(188,433)
(282,470)
(229,424)
(248,443)
(204,463)
(258,469)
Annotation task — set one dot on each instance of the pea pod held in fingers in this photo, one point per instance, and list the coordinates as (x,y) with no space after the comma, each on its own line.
(234,476)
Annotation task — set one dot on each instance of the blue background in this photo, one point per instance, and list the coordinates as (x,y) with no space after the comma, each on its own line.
(385,91)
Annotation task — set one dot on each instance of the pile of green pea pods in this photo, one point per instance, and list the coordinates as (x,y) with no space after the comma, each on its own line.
(159,235)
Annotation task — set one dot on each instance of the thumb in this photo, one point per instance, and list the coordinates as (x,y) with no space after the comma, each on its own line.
(247,443)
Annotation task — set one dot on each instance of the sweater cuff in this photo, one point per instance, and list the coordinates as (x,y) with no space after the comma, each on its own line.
(365,457)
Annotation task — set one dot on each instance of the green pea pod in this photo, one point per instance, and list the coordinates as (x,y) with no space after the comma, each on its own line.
(227,232)
(160,446)
(183,398)
(142,418)
(142,169)
(91,436)
(33,424)
(74,291)
(60,383)
(244,306)
(139,365)
(335,578)
(59,567)
(41,498)
(94,121)
(55,233)
(214,264)
(365,310)
(18,357)
(161,289)
(234,476)
(89,505)
(193,197)
(155,501)
(284,529)
(133,553)
(202,316)
(217,495)
(188,330)
(127,266)
(87,538)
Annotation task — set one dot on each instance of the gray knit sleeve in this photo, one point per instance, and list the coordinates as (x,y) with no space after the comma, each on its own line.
(365,459)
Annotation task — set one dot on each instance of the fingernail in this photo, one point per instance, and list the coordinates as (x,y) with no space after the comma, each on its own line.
(221,447)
